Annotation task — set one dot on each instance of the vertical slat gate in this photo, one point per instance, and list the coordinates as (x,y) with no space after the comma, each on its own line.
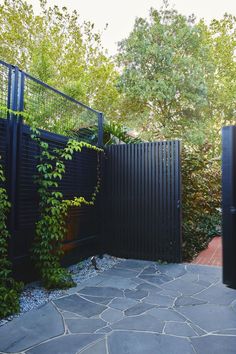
(229,205)
(142,199)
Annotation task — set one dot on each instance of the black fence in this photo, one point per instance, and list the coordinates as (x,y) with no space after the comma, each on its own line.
(142,199)
(42,105)
(229,205)
(138,214)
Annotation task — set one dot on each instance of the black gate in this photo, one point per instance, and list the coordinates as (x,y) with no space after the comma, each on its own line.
(142,201)
(229,205)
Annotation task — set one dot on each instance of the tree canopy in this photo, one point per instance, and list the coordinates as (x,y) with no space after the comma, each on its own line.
(177,72)
(57,48)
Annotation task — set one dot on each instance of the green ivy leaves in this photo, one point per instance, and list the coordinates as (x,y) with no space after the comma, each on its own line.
(50,228)
(9,288)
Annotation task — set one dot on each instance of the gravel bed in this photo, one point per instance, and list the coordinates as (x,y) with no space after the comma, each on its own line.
(34,295)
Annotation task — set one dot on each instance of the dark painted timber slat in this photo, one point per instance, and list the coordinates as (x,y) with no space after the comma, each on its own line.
(229,204)
(161,198)
(177,189)
(170,240)
(172,194)
(80,179)
(145,217)
(157,210)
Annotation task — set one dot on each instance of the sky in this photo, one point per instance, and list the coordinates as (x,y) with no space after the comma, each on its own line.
(120,14)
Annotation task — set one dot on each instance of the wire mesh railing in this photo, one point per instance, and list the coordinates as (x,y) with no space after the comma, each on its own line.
(47,108)
(4,88)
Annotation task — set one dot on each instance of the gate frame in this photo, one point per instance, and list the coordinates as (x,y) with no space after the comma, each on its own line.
(229,205)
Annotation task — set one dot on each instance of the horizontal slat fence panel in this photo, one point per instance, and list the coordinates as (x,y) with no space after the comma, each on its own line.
(79,180)
(141,199)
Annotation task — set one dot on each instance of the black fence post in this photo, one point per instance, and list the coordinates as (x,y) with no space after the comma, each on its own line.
(100,129)
(15,104)
(229,205)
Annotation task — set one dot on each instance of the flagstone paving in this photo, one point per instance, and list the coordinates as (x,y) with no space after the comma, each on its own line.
(137,307)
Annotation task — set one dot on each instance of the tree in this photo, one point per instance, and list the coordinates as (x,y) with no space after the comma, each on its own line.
(164,68)
(56,48)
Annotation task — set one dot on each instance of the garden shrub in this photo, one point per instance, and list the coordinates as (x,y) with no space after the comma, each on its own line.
(9,288)
(201,199)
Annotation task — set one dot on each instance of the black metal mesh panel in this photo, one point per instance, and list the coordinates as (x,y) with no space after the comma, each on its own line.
(49,109)
(4,73)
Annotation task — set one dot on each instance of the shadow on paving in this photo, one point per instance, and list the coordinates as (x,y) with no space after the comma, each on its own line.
(137,307)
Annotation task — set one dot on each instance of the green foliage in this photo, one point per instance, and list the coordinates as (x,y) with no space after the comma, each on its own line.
(165,64)
(61,50)
(9,288)
(201,199)
(50,229)
(178,82)
(115,132)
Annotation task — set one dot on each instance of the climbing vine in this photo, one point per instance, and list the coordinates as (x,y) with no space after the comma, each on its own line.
(53,208)
(50,228)
(9,288)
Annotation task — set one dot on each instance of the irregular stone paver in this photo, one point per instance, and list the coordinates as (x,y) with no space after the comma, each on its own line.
(215,344)
(179,329)
(187,301)
(124,273)
(118,282)
(85,325)
(147,343)
(122,304)
(207,273)
(70,344)
(184,286)
(104,330)
(112,315)
(171,308)
(174,270)
(218,294)
(77,304)
(97,299)
(68,314)
(134,264)
(149,287)
(102,291)
(210,317)
(158,279)
(30,329)
(160,300)
(197,329)
(150,271)
(233,305)
(145,323)
(97,348)
(227,331)
(172,293)
(138,309)
(166,315)
(135,294)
